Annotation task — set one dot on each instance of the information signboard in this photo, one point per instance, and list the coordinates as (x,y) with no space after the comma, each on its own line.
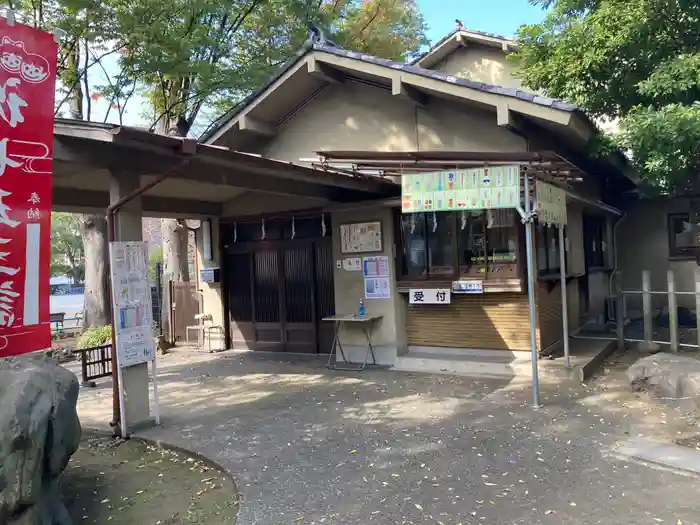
(131,300)
(486,188)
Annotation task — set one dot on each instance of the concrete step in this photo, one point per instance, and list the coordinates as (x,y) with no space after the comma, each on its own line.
(586,356)
(473,365)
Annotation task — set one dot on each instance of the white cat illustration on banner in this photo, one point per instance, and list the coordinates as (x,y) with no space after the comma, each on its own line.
(14,58)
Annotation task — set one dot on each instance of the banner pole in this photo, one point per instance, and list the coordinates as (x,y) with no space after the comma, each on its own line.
(564,297)
(529,218)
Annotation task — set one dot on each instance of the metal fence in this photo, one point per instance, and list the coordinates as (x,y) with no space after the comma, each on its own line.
(96,362)
(660,320)
(157,299)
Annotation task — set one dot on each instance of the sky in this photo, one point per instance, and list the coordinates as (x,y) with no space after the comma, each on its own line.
(502,17)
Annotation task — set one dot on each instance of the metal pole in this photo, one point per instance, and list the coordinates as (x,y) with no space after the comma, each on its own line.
(697,304)
(120,394)
(531,295)
(646,309)
(156,408)
(564,298)
(673,311)
(619,313)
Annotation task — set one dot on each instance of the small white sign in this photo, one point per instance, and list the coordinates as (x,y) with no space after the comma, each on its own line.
(429,296)
(352,264)
(468,287)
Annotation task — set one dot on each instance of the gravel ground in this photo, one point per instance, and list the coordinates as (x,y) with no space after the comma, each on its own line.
(307,445)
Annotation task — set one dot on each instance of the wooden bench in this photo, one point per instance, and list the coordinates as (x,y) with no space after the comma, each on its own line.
(57,319)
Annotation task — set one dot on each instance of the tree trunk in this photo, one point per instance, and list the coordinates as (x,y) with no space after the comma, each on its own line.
(75,100)
(175,265)
(175,236)
(98,308)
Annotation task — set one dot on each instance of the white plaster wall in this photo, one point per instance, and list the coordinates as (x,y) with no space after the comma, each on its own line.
(211,293)
(358,117)
(389,334)
(483,64)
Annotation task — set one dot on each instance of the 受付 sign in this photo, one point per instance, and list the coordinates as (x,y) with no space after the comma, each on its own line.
(429,296)
(27,90)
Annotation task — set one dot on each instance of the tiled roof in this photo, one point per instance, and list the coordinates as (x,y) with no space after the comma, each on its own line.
(317,42)
(453,33)
(436,75)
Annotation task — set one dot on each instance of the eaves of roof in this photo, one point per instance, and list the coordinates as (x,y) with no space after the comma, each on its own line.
(466,32)
(328,47)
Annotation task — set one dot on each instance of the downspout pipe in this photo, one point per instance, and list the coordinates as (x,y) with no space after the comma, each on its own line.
(112,211)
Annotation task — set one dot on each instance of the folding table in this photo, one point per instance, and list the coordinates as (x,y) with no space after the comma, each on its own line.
(367,324)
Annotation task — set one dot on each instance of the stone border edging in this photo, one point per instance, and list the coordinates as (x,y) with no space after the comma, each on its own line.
(163,445)
(674,458)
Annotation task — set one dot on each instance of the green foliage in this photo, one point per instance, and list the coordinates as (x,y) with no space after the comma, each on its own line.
(189,57)
(95,336)
(67,251)
(212,53)
(638,62)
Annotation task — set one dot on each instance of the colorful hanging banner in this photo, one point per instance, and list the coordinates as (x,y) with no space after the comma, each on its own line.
(27,91)
(551,203)
(484,188)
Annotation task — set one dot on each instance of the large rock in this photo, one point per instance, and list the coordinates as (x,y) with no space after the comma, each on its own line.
(39,431)
(669,376)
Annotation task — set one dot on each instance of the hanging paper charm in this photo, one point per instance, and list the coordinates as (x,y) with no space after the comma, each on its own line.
(323,225)
(263,230)
(294,231)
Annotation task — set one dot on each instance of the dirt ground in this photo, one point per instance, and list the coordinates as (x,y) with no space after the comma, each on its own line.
(657,419)
(130,482)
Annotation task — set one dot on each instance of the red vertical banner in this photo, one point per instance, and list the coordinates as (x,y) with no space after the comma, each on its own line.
(27,93)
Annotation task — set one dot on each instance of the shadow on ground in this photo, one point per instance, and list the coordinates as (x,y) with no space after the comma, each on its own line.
(314,446)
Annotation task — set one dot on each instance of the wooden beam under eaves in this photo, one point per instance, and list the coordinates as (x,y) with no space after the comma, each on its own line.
(259,127)
(324,71)
(400,89)
(506,118)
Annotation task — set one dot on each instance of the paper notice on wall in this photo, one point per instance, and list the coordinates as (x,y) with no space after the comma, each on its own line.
(377,288)
(352,264)
(377,266)
(361,237)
